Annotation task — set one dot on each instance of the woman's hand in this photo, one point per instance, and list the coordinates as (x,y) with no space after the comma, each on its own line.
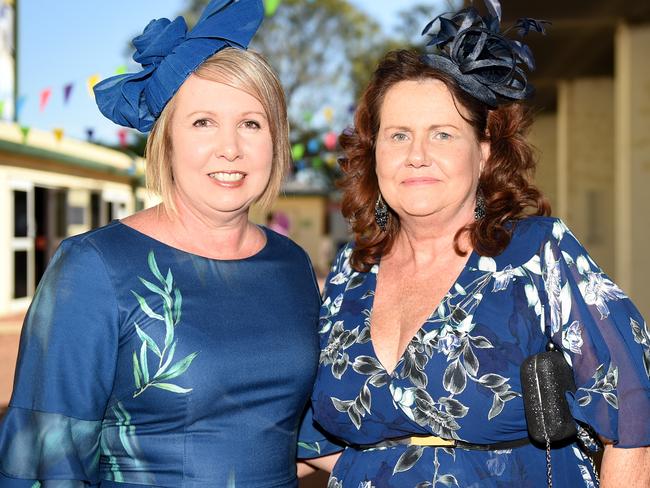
(629,468)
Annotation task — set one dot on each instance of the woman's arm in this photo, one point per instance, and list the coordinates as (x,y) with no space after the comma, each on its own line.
(625,467)
(309,466)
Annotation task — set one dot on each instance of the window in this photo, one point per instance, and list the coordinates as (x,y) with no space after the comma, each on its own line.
(21,279)
(21,226)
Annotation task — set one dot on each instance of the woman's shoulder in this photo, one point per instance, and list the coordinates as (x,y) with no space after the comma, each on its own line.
(95,238)
(282,243)
(529,235)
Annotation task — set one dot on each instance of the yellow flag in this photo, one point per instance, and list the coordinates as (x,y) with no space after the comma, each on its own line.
(92,81)
(58,134)
(328,113)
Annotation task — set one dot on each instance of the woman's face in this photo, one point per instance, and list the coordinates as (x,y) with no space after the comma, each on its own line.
(428,157)
(222,150)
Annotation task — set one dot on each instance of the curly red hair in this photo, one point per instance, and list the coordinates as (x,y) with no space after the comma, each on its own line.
(505,180)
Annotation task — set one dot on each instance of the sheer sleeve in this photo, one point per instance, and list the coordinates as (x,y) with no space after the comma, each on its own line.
(312,441)
(50,434)
(604,338)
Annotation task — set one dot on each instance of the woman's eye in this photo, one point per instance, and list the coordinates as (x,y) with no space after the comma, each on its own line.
(443,136)
(201,123)
(399,137)
(252,124)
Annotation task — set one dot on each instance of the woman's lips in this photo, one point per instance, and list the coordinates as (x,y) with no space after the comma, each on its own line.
(421,180)
(228,179)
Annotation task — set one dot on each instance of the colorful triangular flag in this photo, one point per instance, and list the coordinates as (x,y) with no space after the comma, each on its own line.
(67,91)
(45,98)
(92,81)
(24,130)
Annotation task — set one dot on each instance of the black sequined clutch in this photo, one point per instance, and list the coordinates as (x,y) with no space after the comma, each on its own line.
(545,379)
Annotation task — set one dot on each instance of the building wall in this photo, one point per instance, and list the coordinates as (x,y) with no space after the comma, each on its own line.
(632,123)
(586,165)
(543,136)
(78,197)
(307,217)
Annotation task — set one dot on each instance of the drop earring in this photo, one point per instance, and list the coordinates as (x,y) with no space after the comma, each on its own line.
(381,213)
(479,209)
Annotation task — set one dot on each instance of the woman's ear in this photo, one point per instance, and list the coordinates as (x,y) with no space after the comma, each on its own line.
(485,155)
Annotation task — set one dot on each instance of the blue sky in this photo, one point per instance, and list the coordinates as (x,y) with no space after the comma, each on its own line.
(70,41)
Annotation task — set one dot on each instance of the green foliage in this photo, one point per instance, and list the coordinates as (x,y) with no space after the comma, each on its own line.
(311,45)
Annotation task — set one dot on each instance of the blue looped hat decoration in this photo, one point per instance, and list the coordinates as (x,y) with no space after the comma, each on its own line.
(483,61)
(168,54)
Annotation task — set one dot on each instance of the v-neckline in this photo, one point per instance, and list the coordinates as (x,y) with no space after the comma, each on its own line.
(469,264)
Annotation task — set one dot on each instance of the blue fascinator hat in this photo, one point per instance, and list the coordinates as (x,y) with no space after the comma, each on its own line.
(168,54)
(480,57)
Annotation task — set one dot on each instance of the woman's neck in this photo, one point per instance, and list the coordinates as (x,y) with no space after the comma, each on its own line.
(425,241)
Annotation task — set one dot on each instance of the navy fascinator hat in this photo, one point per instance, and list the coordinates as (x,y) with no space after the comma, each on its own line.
(480,57)
(168,54)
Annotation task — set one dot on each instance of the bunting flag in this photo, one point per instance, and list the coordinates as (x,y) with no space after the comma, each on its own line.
(45,97)
(328,113)
(2,108)
(313,145)
(58,134)
(122,134)
(120,70)
(330,140)
(92,81)
(297,151)
(90,132)
(67,91)
(307,116)
(316,162)
(20,103)
(25,132)
(270,6)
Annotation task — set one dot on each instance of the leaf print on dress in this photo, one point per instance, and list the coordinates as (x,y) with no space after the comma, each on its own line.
(165,370)
(334,353)
(604,384)
(597,290)
(572,337)
(559,295)
(642,336)
(359,406)
(117,430)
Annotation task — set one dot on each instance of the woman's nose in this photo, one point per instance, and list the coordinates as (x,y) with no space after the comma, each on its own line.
(417,156)
(229,146)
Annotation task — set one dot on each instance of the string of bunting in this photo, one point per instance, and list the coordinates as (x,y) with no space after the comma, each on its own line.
(67,91)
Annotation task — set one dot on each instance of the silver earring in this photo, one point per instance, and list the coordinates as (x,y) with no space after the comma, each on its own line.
(479,209)
(381,213)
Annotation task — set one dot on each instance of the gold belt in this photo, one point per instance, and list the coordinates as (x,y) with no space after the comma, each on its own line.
(434,441)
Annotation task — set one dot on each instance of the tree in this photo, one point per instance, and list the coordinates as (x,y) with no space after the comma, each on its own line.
(312,46)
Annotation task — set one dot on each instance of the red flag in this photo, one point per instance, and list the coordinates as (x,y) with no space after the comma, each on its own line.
(122,134)
(45,97)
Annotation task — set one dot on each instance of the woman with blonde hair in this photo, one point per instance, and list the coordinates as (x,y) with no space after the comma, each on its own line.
(176,347)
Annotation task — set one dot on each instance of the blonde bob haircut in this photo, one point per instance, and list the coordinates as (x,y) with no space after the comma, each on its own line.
(246,71)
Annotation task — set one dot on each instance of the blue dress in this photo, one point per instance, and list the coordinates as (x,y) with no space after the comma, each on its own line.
(143,365)
(459,376)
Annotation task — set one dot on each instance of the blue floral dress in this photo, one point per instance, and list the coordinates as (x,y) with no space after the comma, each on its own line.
(143,365)
(459,376)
